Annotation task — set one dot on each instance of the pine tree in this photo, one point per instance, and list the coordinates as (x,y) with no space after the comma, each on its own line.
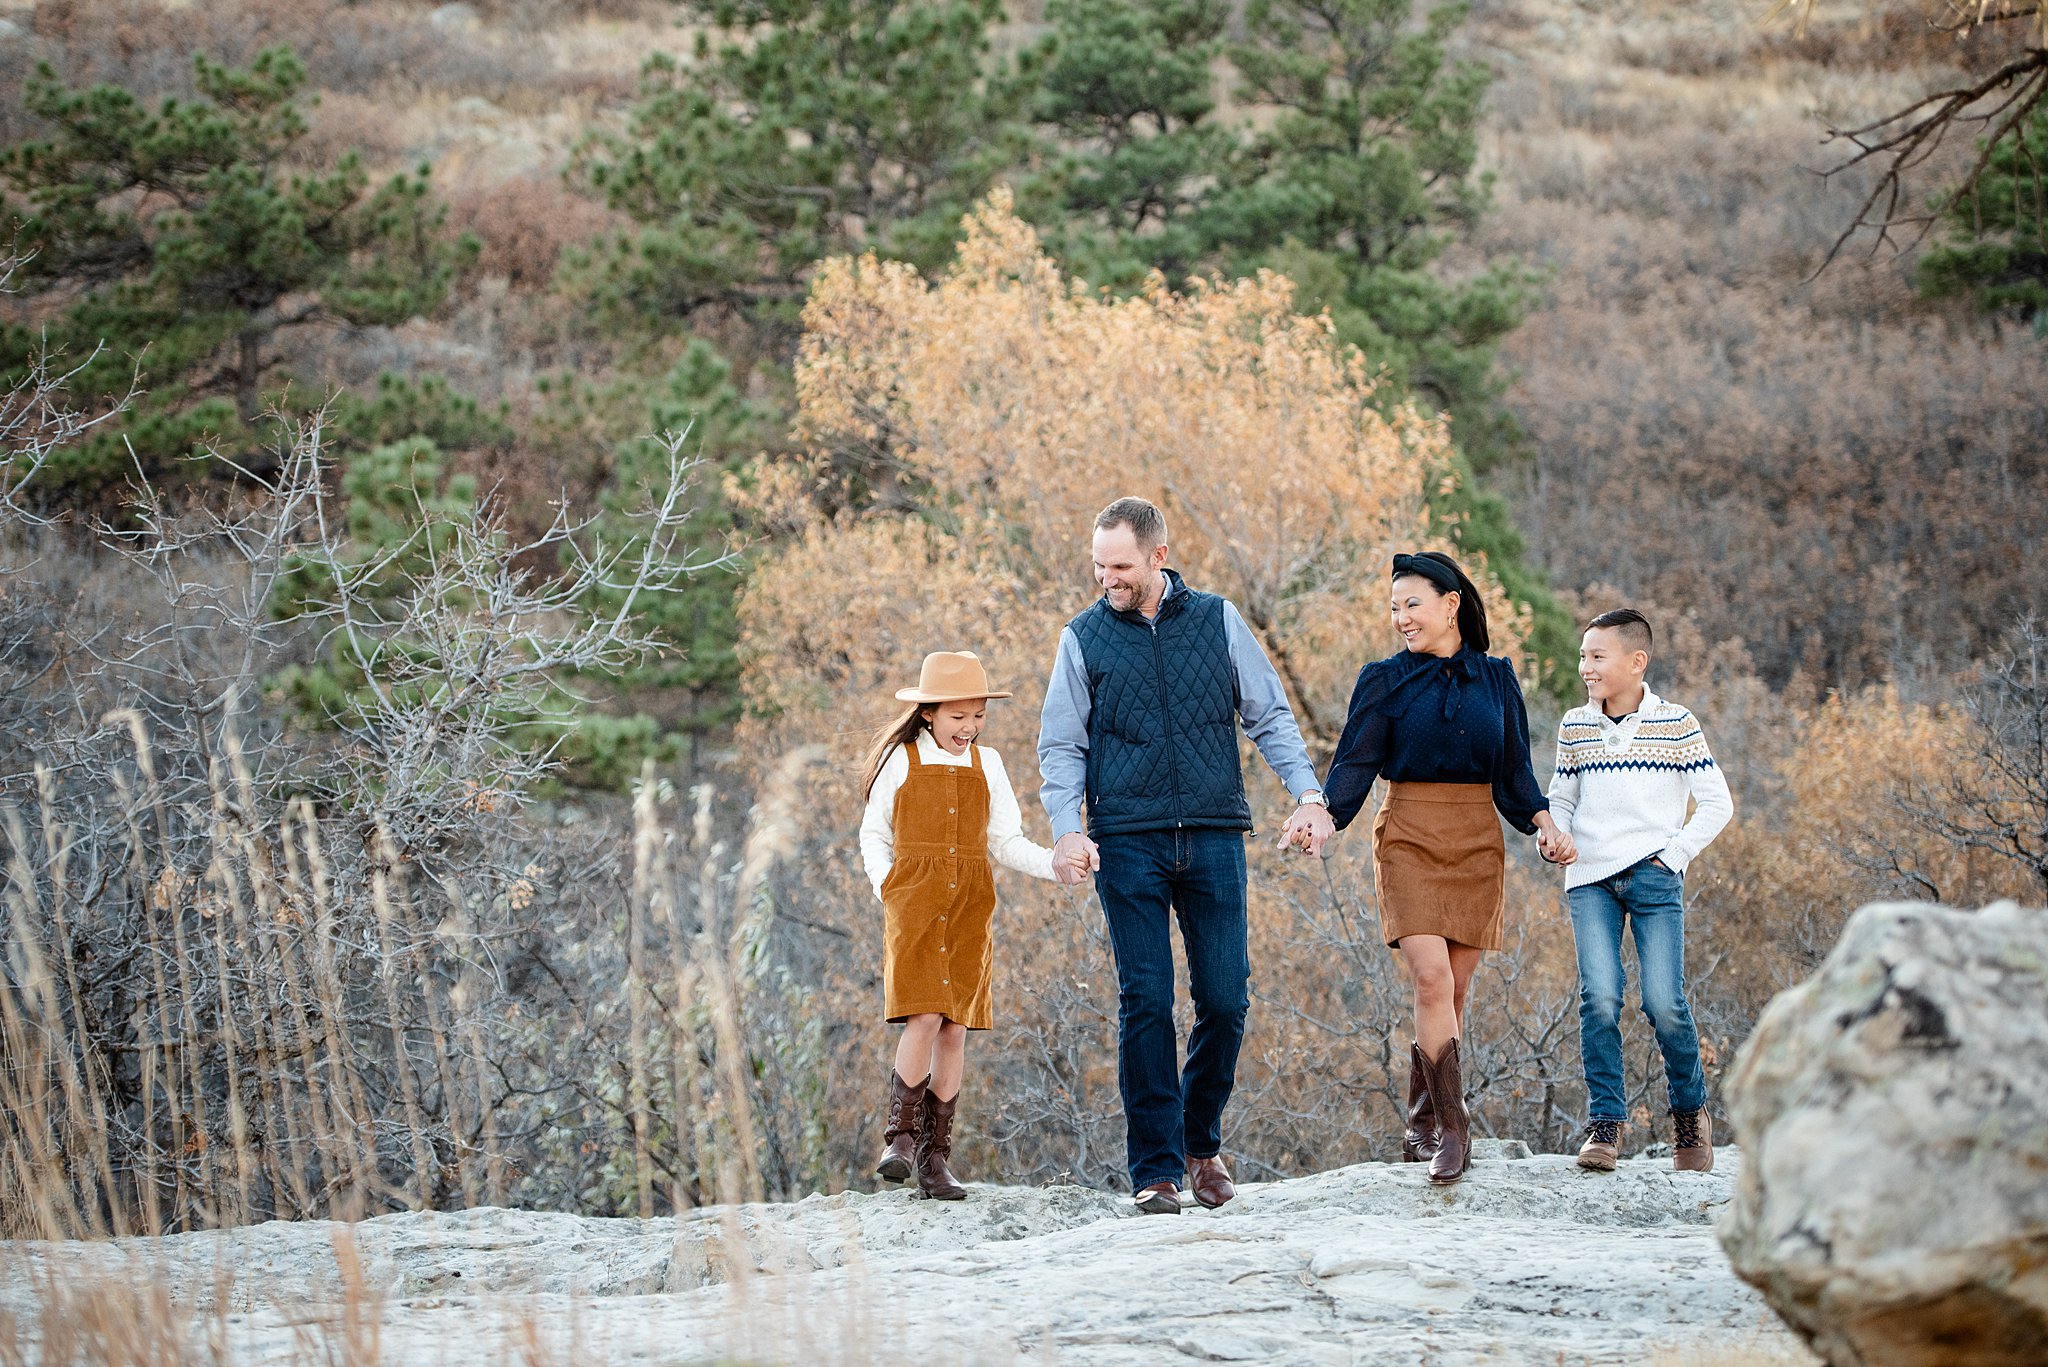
(692,688)
(1128,90)
(180,241)
(1997,245)
(805,130)
(1363,181)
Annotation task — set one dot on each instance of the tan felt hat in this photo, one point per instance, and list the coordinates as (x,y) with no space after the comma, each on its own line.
(950,676)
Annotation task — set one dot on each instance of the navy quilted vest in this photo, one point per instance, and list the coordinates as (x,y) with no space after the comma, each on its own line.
(1162,722)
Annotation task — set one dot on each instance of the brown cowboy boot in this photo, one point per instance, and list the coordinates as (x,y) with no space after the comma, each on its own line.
(906,1103)
(1453,1125)
(934,1146)
(1418,1145)
(1693,1143)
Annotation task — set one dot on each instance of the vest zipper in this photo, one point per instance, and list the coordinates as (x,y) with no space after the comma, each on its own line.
(1166,731)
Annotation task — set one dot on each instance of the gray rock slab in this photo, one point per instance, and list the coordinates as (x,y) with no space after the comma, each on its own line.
(1527,1261)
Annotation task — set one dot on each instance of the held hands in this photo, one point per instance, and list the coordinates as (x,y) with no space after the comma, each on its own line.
(1308,830)
(1074,857)
(1553,842)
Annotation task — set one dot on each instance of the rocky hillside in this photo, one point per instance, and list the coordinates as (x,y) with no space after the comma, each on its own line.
(1529,1261)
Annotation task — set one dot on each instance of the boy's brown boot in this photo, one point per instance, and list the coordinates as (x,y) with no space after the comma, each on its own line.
(1692,1141)
(1602,1146)
(906,1101)
(1418,1145)
(934,1146)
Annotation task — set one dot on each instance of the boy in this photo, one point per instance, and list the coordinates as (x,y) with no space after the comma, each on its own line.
(1626,764)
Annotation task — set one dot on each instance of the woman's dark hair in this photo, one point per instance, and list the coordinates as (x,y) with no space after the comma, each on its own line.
(1444,576)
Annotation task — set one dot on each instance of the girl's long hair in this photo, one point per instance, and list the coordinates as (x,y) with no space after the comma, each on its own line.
(902,731)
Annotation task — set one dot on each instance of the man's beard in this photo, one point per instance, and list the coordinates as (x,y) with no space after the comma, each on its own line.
(1129,599)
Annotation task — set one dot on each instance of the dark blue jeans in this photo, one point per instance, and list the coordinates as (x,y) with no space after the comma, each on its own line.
(1652,899)
(1148,879)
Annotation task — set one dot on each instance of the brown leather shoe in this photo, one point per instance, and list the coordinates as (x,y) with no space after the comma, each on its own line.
(899,1157)
(1693,1141)
(1602,1147)
(935,1180)
(1453,1125)
(1161,1198)
(1418,1145)
(1210,1181)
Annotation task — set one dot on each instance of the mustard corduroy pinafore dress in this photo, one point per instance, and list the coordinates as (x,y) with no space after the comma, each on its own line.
(939,896)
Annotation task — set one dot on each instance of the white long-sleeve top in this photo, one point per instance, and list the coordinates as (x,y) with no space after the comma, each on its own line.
(1622,787)
(1007,843)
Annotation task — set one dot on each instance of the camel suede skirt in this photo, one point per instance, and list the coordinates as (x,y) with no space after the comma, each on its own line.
(1440,863)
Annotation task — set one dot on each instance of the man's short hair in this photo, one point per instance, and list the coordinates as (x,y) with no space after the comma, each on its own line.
(1147,523)
(1630,625)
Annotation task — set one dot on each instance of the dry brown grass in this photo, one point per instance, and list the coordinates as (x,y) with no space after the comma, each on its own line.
(525,224)
(1714,431)
(532,57)
(252,1088)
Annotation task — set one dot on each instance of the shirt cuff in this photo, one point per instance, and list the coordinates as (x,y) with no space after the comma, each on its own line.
(1066,824)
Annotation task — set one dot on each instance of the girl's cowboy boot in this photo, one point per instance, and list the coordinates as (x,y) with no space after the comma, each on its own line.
(934,1146)
(906,1102)
(1453,1125)
(1418,1145)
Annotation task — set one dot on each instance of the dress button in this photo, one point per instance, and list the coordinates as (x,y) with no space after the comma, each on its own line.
(945,982)
(949,849)
(952,809)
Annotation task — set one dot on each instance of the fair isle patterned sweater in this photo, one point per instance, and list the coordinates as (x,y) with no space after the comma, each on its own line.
(1621,788)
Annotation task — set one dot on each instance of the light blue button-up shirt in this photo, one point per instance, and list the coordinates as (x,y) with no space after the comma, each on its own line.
(1063,723)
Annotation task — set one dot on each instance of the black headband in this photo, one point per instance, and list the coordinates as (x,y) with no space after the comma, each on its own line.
(1430,568)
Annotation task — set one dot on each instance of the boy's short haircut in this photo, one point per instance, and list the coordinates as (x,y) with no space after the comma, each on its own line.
(1630,625)
(1147,523)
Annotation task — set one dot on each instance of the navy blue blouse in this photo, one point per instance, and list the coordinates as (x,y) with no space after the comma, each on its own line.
(1418,718)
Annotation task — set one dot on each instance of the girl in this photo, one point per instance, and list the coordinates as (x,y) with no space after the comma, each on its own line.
(939,807)
(1444,723)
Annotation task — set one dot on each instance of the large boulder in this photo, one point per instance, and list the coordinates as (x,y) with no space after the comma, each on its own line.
(1893,1117)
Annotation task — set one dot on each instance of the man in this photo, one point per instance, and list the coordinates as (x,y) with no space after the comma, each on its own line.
(1141,718)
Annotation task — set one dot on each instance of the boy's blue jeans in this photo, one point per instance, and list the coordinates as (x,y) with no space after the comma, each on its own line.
(1651,898)
(1148,879)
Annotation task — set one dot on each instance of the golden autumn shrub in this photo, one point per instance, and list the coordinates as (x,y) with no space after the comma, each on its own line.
(1831,835)
(1008,404)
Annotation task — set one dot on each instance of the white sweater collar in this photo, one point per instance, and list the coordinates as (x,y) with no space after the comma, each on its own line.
(1621,734)
(931,752)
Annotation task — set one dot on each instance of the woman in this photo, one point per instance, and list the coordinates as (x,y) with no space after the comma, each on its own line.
(1444,724)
